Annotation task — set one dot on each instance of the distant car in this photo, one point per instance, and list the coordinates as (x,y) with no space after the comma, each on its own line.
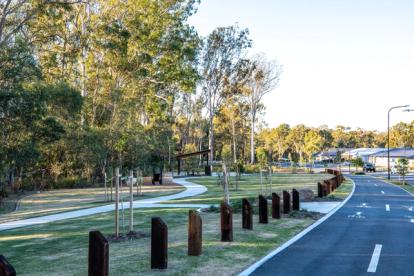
(369,167)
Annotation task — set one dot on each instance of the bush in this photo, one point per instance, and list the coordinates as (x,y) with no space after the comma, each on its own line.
(37,183)
(359,173)
(252,168)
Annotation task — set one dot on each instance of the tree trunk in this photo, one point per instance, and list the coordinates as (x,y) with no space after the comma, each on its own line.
(117,202)
(252,140)
(270,176)
(106,188)
(233,130)
(211,142)
(131,202)
(226,184)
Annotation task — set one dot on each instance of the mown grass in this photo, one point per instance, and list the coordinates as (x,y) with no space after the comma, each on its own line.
(57,201)
(60,248)
(249,186)
(342,192)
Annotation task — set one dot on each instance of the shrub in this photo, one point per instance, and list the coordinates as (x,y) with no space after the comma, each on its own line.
(252,168)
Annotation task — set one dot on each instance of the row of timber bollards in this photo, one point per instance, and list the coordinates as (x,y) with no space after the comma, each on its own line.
(330,185)
(98,253)
(247,209)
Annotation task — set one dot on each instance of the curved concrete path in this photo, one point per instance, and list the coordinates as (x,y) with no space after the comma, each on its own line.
(192,189)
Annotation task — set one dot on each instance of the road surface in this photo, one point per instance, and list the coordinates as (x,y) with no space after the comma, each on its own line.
(409,178)
(373,233)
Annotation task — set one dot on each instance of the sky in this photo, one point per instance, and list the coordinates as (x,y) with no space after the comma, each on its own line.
(344,62)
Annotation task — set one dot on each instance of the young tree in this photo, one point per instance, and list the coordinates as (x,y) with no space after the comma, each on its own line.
(358,162)
(402,168)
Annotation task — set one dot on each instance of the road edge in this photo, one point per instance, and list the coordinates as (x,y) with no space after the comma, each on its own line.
(298,236)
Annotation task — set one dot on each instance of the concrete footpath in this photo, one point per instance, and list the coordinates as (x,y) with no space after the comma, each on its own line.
(191,190)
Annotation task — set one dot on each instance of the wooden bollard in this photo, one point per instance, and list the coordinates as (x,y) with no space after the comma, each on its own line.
(6,269)
(286,202)
(320,190)
(247,215)
(226,215)
(325,189)
(159,244)
(263,210)
(328,187)
(98,254)
(295,200)
(194,233)
(275,206)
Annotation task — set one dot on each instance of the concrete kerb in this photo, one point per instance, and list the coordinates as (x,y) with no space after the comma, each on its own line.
(257,264)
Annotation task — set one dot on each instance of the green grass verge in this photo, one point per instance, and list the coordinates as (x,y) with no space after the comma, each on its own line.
(249,186)
(60,248)
(64,200)
(342,192)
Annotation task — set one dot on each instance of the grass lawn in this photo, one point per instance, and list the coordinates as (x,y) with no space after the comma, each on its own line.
(406,187)
(57,201)
(342,192)
(60,248)
(249,186)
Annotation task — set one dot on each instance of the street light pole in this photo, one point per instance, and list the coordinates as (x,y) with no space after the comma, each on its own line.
(388,144)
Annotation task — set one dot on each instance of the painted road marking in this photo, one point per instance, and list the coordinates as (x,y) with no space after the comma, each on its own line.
(375,258)
(412,220)
(387,207)
(382,192)
(376,185)
(357,215)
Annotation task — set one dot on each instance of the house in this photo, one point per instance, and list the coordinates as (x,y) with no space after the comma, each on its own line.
(330,155)
(380,159)
(364,153)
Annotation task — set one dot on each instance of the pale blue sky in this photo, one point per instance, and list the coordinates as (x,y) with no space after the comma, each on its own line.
(345,62)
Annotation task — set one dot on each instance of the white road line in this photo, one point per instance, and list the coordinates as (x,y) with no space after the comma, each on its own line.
(382,192)
(387,207)
(375,258)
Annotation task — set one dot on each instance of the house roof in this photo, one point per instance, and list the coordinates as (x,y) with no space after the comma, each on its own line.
(332,152)
(365,151)
(397,152)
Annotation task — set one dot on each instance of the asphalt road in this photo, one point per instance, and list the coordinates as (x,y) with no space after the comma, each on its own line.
(409,178)
(373,233)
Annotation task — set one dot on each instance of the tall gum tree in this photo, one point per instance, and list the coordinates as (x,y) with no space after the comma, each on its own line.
(265,76)
(222,53)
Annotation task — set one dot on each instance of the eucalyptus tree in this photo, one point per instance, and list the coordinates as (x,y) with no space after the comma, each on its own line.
(264,77)
(222,53)
(313,142)
(296,139)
